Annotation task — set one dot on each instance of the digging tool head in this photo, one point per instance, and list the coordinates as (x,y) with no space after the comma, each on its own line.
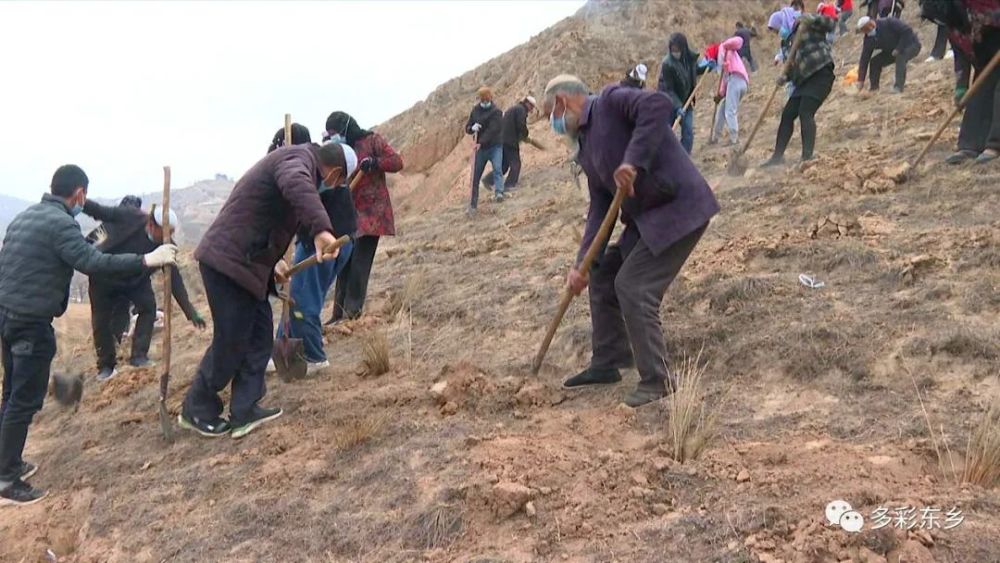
(737,164)
(68,389)
(289,358)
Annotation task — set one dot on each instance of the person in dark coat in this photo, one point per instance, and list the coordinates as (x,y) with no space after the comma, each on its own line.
(42,248)
(122,312)
(883,8)
(485,124)
(895,41)
(974,33)
(240,258)
(812,79)
(679,73)
(128,230)
(747,33)
(626,143)
(515,132)
(375,218)
(300,136)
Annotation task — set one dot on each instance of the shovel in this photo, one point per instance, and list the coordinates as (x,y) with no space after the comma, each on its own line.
(588,259)
(690,100)
(975,87)
(737,164)
(68,389)
(289,353)
(167,306)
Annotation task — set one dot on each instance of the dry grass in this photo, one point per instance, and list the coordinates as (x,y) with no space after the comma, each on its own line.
(413,289)
(436,527)
(357,432)
(740,292)
(375,353)
(982,455)
(691,423)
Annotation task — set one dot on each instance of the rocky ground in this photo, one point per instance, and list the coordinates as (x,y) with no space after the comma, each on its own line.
(864,390)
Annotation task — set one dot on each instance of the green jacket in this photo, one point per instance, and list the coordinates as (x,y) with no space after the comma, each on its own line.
(815,52)
(42,247)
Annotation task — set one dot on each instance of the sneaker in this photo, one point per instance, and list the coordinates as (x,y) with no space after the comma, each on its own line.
(312,368)
(499,198)
(591,376)
(960,157)
(644,395)
(28,469)
(20,493)
(106,374)
(259,416)
(142,362)
(773,161)
(215,429)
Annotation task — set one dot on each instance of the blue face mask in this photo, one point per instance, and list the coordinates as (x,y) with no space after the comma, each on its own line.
(558,123)
(485,105)
(76,210)
(337,138)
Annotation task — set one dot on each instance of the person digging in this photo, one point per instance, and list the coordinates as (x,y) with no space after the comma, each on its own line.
(42,248)
(129,230)
(485,124)
(627,143)
(515,132)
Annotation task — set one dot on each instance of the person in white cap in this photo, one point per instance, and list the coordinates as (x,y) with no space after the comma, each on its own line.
(896,43)
(636,77)
(129,230)
(515,132)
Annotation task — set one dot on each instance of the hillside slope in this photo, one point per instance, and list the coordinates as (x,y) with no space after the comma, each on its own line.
(821,394)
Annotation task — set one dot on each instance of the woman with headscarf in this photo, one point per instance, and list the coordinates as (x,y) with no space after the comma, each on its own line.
(371,199)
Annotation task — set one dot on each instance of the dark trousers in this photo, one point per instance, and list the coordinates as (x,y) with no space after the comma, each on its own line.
(940,42)
(107,302)
(511,167)
(241,345)
(352,282)
(981,123)
(626,288)
(804,109)
(884,58)
(120,317)
(494,155)
(28,349)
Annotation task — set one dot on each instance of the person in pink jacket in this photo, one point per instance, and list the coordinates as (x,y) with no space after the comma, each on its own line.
(732,87)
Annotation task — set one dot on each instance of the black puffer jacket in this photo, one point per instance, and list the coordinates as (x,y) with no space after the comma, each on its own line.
(491,120)
(42,248)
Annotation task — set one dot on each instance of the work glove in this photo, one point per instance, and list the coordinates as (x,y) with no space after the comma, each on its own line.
(198,321)
(369,164)
(164,255)
(960,93)
(476,127)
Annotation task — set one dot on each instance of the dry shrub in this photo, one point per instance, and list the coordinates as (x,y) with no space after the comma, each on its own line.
(411,292)
(982,455)
(375,353)
(959,342)
(357,432)
(437,527)
(692,424)
(740,292)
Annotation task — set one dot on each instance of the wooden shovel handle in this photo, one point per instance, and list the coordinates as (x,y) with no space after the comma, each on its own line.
(976,84)
(690,99)
(311,261)
(588,260)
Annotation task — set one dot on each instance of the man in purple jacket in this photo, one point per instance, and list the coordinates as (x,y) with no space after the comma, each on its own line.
(626,142)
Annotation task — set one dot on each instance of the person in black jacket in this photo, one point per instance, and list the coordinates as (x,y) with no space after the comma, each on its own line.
(42,247)
(678,77)
(895,42)
(122,312)
(746,33)
(515,131)
(129,230)
(486,127)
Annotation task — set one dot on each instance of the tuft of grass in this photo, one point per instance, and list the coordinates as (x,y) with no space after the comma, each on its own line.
(413,289)
(375,353)
(740,292)
(436,527)
(691,423)
(357,432)
(982,454)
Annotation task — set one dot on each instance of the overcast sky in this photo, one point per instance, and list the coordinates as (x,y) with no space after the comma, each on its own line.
(122,88)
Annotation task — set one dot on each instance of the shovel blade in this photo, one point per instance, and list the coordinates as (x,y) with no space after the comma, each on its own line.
(737,165)
(289,358)
(68,389)
(165,426)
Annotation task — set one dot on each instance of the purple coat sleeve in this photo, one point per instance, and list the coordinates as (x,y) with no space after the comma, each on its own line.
(650,115)
(298,186)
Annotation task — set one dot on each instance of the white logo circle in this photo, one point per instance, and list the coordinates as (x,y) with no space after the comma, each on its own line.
(852,521)
(835,510)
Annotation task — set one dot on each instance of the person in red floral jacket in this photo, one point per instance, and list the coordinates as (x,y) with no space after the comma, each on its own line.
(371,198)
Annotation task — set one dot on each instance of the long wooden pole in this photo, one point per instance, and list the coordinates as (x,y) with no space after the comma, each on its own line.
(588,260)
(167,309)
(976,84)
(288,129)
(690,99)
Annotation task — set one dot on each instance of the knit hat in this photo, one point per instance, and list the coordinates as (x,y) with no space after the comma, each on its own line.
(484,93)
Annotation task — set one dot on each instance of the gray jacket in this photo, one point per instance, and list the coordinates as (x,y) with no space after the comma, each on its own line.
(42,247)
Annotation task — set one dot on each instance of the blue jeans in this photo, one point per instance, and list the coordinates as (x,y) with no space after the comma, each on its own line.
(309,289)
(494,155)
(687,129)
